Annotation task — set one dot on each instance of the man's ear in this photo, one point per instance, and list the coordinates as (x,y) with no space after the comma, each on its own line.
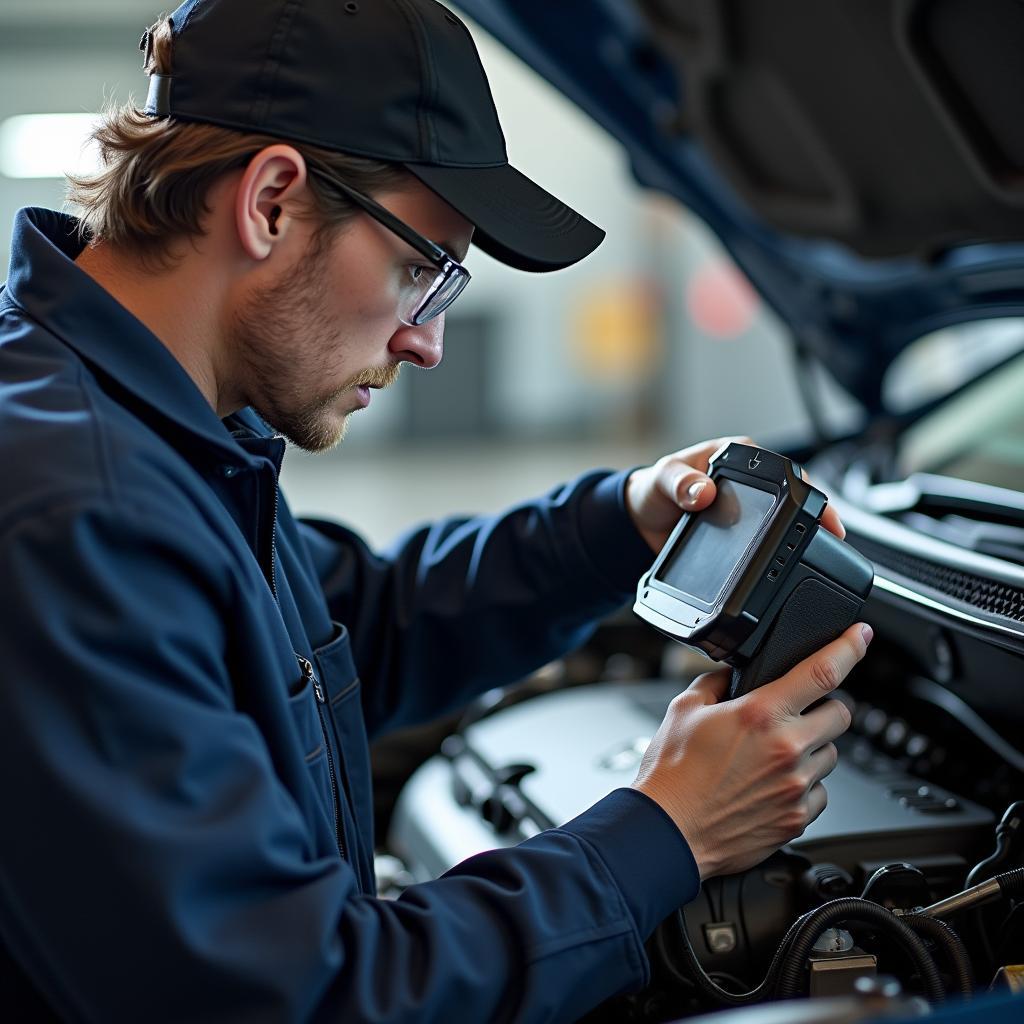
(266,199)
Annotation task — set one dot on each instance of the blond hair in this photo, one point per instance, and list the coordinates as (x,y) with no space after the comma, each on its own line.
(156,172)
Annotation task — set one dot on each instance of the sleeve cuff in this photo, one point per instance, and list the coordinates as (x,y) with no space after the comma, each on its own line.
(644,852)
(613,542)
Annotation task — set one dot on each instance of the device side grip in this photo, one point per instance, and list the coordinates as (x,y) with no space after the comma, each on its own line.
(814,615)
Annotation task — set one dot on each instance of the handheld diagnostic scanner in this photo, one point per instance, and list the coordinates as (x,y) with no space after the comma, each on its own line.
(753,580)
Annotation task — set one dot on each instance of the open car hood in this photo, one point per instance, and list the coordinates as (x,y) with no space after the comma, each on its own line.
(862,162)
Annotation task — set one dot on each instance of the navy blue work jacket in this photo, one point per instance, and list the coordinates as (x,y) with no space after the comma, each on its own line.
(188,678)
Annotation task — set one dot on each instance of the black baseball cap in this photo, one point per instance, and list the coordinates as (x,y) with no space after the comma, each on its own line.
(394,80)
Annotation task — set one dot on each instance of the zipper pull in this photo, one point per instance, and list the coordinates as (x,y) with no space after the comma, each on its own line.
(307,672)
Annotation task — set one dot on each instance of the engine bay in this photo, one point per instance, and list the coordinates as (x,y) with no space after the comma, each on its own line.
(922,806)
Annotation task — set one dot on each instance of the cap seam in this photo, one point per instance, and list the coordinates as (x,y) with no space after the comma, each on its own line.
(431,91)
(480,63)
(264,97)
(423,125)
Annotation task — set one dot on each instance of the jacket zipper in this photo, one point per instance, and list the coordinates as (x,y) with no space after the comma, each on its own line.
(273,543)
(308,673)
(321,699)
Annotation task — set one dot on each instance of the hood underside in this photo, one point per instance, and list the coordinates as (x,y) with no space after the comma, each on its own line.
(862,162)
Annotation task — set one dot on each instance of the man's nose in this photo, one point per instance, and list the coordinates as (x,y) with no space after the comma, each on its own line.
(423,345)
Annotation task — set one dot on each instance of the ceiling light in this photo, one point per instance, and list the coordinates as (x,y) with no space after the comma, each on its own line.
(48,145)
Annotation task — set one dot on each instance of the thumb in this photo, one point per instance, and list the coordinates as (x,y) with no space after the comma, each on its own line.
(711,687)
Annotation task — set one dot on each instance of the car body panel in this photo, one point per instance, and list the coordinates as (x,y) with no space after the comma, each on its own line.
(618,62)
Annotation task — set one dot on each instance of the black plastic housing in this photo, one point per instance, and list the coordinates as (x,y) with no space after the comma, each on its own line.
(794,588)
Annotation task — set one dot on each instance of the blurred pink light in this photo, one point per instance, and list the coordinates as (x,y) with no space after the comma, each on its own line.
(721,301)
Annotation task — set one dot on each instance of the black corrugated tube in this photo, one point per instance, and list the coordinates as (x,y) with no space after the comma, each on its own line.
(956,953)
(786,975)
(791,976)
(1012,882)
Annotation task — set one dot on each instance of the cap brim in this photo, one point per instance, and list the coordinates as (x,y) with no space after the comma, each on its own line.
(516,221)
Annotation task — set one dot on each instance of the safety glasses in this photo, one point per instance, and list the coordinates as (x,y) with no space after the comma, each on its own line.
(423,296)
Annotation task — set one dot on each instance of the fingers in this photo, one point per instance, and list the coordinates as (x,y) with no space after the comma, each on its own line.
(711,687)
(817,799)
(831,521)
(830,517)
(824,724)
(817,676)
(821,764)
(682,479)
(700,454)
(685,485)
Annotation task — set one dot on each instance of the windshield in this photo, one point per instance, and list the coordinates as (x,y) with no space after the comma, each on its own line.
(942,362)
(977,435)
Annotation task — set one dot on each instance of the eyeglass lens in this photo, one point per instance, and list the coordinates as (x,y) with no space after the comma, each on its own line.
(419,306)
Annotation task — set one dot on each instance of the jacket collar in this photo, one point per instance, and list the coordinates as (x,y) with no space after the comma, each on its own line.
(46,284)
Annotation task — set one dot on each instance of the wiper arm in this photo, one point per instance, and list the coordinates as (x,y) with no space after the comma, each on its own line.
(995,539)
(935,495)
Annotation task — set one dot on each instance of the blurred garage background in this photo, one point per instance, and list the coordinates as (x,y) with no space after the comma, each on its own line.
(654,342)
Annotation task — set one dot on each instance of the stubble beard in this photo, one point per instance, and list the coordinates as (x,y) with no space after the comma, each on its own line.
(275,352)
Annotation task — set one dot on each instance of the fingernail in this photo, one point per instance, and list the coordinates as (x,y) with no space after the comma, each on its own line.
(867,633)
(693,492)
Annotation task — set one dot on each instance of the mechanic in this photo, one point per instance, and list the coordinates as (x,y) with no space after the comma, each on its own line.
(190,674)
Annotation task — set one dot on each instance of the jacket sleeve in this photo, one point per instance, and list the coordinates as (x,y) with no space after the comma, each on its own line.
(463,605)
(154,867)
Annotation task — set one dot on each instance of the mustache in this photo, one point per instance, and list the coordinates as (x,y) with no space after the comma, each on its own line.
(377,377)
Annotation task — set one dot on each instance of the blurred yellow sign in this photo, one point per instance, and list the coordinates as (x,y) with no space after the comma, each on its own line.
(616,330)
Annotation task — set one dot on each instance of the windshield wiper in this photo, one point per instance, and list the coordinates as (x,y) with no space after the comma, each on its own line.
(977,517)
(995,539)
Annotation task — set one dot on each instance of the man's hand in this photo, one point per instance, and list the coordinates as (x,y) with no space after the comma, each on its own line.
(657,495)
(741,777)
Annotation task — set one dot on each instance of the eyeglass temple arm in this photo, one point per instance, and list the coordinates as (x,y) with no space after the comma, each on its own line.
(422,245)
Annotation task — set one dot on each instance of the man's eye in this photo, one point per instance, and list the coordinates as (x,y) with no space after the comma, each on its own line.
(419,273)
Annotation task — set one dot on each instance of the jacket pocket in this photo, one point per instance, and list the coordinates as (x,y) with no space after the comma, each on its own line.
(342,685)
(320,806)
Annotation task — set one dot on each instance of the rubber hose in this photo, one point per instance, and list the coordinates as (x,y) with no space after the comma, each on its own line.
(952,945)
(854,909)
(983,870)
(1006,831)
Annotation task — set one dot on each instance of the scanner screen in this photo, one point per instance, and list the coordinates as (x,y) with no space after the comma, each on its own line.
(715,540)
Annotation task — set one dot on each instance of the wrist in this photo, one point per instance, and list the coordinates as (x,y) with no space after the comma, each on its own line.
(605,516)
(683,821)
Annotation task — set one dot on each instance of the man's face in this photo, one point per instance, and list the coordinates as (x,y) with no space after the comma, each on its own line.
(313,341)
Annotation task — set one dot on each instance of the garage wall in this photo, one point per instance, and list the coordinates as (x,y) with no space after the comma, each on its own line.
(604,357)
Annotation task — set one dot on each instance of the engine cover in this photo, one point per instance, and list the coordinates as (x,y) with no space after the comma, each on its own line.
(544,761)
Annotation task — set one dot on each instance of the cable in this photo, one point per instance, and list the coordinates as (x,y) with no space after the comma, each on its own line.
(785,975)
(699,978)
(1007,832)
(786,972)
(851,908)
(956,952)
(1008,885)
